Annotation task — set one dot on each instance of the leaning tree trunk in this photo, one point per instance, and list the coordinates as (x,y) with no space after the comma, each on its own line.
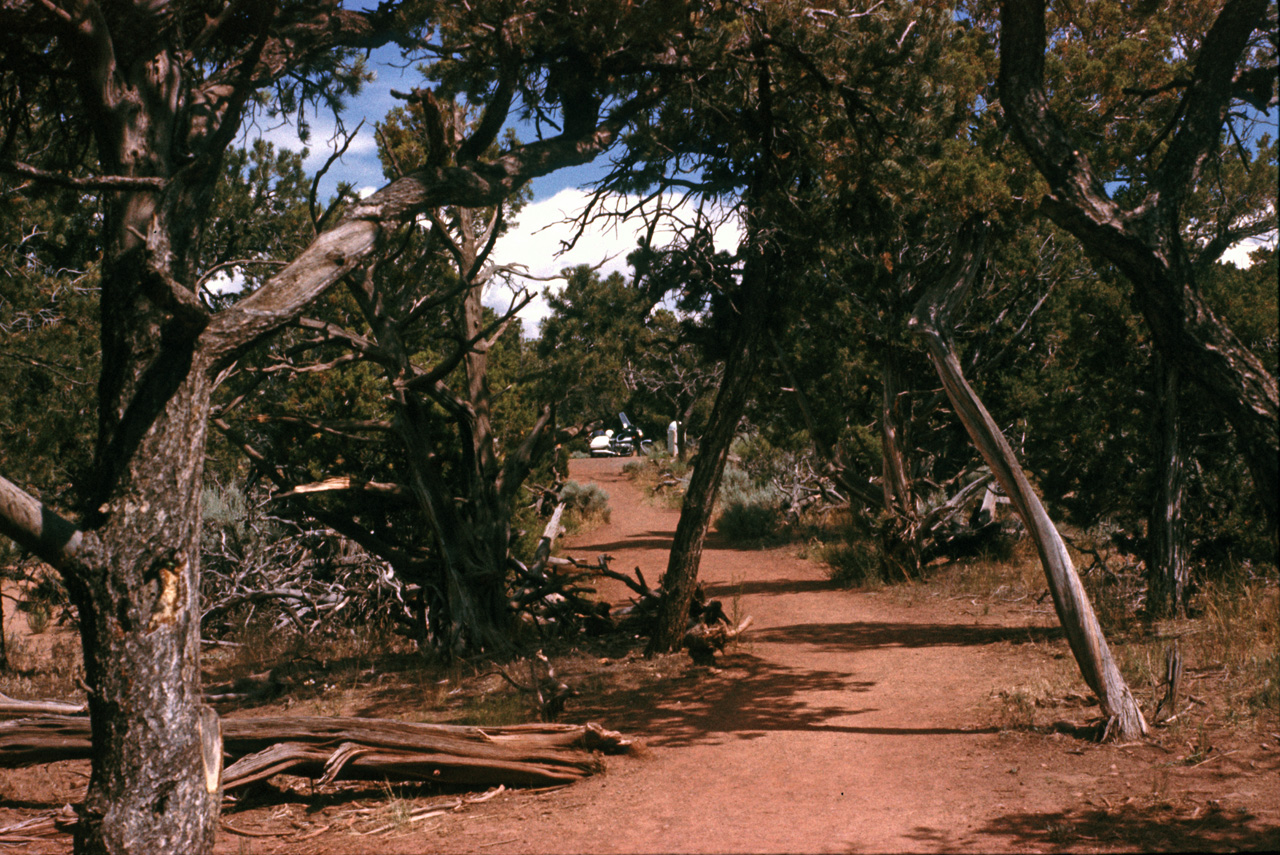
(932,320)
(713,451)
(1166,554)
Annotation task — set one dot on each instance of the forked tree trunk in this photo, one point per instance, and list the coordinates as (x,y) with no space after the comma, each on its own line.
(1166,553)
(932,320)
(133,567)
(1145,241)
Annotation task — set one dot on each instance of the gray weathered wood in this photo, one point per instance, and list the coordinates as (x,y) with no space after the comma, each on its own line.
(349,748)
(932,320)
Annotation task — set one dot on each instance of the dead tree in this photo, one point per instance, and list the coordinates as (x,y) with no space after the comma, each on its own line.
(933,320)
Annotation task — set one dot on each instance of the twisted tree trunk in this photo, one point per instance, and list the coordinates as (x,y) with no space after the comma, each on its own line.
(932,320)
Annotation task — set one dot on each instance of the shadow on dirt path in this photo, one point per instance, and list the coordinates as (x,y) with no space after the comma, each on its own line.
(843,722)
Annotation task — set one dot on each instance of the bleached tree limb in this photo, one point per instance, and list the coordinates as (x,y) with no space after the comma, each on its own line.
(36,527)
(932,320)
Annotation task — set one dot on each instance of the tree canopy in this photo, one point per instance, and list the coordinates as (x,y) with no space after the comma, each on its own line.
(1025,203)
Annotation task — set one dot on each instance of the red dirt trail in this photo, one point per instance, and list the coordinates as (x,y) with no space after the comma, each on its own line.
(844,722)
(851,722)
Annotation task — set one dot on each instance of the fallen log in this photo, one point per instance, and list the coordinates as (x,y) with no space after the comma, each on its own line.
(14,706)
(330,749)
(40,828)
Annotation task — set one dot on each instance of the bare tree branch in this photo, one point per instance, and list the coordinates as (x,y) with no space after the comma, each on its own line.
(99,182)
(36,527)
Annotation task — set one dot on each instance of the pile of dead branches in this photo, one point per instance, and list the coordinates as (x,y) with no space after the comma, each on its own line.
(553,597)
(259,566)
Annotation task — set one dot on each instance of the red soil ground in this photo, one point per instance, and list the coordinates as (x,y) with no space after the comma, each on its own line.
(844,722)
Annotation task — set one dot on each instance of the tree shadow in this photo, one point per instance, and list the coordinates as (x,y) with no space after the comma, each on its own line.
(748,699)
(767,586)
(752,697)
(1150,829)
(659,540)
(846,637)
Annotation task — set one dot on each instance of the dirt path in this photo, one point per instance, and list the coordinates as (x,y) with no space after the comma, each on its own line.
(852,722)
(846,722)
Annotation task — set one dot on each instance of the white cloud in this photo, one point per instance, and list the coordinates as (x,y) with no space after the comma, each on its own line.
(1239,254)
(541,236)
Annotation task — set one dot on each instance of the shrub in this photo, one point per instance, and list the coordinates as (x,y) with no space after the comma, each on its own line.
(45,601)
(586,505)
(854,564)
(749,513)
(633,468)
(853,552)
(224,507)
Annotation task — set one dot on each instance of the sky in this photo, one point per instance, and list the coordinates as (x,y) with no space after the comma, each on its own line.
(542,229)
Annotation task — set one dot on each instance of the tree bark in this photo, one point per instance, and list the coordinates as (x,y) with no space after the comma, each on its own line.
(899,498)
(752,322)
(932,319)
(132,567)
(1166,552)
(1145,241)
(135,582)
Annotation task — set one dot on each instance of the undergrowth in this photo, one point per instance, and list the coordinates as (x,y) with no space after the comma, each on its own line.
(586,506)
(750,513)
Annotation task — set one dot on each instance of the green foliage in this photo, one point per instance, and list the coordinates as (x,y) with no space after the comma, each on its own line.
(596,326)
(854,563)
(586,505)
(260,219)
(750,513)
(49,343)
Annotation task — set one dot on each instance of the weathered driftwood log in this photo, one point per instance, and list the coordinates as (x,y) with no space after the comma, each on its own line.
(357,749)
(933,320)
(14,706)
